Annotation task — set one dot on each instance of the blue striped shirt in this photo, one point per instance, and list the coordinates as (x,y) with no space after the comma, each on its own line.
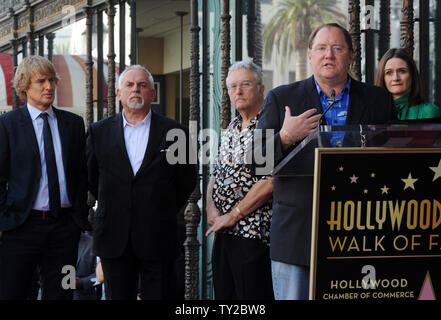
(336,116)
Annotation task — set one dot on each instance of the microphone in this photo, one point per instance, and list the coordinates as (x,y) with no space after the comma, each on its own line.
(329,107)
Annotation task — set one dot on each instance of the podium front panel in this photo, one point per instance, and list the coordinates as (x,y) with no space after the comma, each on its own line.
(376,224)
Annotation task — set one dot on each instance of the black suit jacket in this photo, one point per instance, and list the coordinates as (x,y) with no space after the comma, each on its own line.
(291,223)
(140,208)
(20,167)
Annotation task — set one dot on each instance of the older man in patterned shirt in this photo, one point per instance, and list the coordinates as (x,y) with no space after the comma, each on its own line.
(239,204)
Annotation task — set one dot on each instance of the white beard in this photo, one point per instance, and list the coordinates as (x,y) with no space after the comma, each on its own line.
(135,105)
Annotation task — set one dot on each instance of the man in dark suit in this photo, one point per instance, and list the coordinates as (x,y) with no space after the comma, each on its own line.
(139,192)
(291,110)
(43,186)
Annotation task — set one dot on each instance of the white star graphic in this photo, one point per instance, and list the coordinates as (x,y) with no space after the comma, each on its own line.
(373,175)
(353,179)
(333,188)
(365,191)
(409,182)
(437,171)
(341,169)
(384,190)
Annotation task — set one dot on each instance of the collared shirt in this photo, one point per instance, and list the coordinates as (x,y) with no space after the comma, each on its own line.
(136,137)
(234,179)
(336,116)
(42,201)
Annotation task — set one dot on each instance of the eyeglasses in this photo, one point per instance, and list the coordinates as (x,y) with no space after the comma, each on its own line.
(337,50)
(243,85)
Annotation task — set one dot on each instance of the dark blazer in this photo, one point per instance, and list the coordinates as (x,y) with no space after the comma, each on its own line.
(140,208)
(20,167)
(292,196)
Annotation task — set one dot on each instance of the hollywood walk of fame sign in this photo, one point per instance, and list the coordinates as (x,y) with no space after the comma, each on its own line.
(376,224)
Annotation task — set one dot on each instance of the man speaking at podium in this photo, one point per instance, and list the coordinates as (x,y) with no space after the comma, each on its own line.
(294,111)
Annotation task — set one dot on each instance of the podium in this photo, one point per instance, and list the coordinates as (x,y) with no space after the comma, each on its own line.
(376,226)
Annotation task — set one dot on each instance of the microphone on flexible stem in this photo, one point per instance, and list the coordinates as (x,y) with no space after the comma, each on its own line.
(329,107)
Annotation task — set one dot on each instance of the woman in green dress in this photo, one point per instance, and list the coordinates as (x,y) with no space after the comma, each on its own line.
(397,72)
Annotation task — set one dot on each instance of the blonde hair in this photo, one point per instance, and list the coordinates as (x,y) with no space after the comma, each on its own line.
(28,68)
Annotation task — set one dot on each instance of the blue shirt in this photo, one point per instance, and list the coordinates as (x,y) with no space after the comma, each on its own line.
(42,200)
(336,116)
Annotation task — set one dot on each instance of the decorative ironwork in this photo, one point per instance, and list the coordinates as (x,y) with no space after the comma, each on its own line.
(24,46)
(111,59)
(30,33)
(133,34)
(258,38)
(23,23)
(122,38)
(369,49)
(36,16)
(206,274)
(406,26)
(50,45)
(384,34)
(192,214)
(14,45)
(89,66)
(89,87)
(225,50)
(41,45)
(354,30)
(192,217)
(6,5)
(437,41)
(6,30)
(424,47)
(251,28)
(99,66)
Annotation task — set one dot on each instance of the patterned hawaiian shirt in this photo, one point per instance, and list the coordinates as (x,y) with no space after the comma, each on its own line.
(234,178)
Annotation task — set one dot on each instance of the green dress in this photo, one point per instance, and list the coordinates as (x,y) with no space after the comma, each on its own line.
(421,111)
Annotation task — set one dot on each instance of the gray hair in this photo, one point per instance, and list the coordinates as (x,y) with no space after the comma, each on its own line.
(136,67)
(246,64)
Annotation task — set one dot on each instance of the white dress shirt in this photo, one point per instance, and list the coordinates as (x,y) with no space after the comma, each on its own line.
(42,201)
(136,137)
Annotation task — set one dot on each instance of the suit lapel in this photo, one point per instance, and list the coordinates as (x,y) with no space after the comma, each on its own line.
(311,97)
(356,107)
(28,130)
(155,139)
(118,130)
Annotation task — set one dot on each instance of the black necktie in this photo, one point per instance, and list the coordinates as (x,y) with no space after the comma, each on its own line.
(51,167)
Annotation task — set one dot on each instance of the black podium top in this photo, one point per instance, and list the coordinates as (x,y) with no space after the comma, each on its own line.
(300,161)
